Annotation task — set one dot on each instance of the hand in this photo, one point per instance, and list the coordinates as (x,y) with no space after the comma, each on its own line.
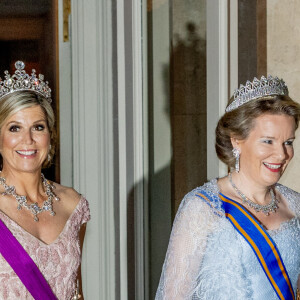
(77,296)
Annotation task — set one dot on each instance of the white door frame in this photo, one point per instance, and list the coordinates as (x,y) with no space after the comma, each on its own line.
(102,74)
(222,71)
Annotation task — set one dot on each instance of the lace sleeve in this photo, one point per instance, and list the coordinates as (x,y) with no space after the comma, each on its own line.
(291,196)
(186,248)
(85,212)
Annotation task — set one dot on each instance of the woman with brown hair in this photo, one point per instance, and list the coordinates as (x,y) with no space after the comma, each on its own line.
(238,237)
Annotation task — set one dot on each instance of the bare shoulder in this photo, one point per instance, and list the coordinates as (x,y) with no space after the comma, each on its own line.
(69,197)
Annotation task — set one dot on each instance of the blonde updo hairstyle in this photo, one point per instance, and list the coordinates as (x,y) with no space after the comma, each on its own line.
(239,122)
(14,102)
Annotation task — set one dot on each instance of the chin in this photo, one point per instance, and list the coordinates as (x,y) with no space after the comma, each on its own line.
(30,169)
(271,180)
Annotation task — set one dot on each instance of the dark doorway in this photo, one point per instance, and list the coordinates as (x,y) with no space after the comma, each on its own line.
(28,32)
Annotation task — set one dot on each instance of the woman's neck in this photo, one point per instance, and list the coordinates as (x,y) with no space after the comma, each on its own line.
(251,189)
(27,184)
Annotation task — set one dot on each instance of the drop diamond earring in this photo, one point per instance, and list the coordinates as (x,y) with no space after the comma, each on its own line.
(236,153)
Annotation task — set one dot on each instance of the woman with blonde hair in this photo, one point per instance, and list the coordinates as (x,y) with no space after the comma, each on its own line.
(40,221)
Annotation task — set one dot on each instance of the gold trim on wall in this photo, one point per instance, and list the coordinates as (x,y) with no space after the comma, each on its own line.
(67,12)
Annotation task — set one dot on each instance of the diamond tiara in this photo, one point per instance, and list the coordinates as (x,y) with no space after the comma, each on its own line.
(257,89)
(21,81)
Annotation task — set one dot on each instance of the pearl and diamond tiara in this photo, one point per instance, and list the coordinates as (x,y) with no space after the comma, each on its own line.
(21,81)
(257,89)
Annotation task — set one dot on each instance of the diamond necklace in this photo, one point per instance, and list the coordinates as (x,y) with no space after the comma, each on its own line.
(266,209)
(33,208)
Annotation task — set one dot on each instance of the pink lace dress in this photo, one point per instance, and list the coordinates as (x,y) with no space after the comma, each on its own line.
(58,261)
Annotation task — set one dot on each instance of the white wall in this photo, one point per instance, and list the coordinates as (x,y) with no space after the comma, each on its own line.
(283,60)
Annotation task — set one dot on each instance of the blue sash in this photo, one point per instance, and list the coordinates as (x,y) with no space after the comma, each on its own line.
(262,245)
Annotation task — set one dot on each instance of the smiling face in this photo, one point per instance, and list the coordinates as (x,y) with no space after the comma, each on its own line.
(268,149)
(25,140)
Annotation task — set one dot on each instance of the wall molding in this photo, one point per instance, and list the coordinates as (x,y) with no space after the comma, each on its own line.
(140,144)
(217,77)
(110,142)
(65,105)
(93,153)
(221,71)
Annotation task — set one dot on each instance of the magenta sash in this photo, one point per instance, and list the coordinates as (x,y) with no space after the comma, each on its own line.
(24,266)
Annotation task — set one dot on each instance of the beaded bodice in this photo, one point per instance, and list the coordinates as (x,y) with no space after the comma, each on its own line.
(57,261)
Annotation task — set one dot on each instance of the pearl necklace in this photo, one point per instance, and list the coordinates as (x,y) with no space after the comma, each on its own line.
(23,202)
(266,209)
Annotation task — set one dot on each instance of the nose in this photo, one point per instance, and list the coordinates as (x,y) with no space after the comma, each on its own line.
(281,152)
(28,137)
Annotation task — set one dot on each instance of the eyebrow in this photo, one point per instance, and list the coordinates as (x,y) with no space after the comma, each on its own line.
(38,121)
(273,138)
(17,122)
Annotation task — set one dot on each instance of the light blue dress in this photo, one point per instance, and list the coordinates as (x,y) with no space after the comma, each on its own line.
(208,259)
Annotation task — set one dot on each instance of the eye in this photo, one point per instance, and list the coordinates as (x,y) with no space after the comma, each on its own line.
(14,128)
(39,127)
(270,142)
(289,143)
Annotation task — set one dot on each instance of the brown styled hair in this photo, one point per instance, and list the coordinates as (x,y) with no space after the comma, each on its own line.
(239,122)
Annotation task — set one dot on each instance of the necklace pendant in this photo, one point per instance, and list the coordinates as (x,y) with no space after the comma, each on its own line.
(34,208)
